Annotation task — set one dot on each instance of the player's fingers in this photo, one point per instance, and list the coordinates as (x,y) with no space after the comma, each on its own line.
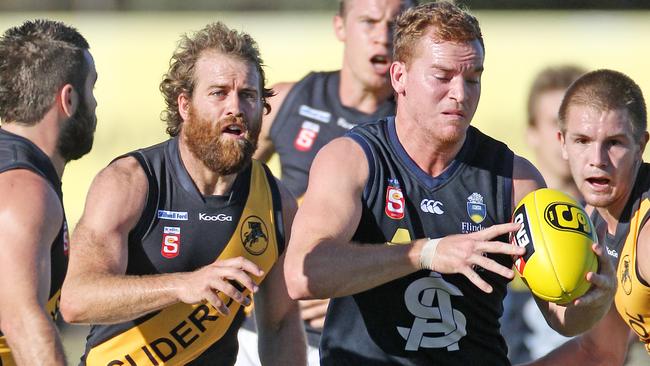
(500,247)
(231,291)
(306,304)
(243,264)
(314,312)
(493,266)
(317,323)
(477,280)
(604,264)
(241,277)
(496,230)
(215,301)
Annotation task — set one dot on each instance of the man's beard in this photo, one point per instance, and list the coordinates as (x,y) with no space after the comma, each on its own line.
(77,133)
(223,156)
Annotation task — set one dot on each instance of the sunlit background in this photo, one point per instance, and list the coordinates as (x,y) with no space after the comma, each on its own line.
(133,40)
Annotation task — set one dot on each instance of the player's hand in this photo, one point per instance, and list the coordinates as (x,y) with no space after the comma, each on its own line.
(221,276)
(461,253)
(313,312)
(603,283)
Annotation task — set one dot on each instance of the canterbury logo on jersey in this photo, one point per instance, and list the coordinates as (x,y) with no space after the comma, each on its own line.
(432,206)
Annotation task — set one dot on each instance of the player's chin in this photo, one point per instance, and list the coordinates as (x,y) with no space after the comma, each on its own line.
(598,199)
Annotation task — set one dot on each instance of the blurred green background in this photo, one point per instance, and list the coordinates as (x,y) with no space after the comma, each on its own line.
(132,51)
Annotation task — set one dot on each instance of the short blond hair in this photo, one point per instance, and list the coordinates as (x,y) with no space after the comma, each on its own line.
(448,22)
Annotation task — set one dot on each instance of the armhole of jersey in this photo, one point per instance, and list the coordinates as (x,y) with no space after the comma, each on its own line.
(277,210)
(280,118)
(370,159)
(146,221)
(26,166)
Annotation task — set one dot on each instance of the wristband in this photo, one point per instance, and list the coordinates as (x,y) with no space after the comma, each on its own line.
(428,252)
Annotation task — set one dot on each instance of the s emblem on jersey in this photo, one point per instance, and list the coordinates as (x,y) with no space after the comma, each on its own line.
(171,241)
(626,280)
(66,239)
(254,235)
(306,136)
(439,326)
(476,208)
(432,206)
(394,200)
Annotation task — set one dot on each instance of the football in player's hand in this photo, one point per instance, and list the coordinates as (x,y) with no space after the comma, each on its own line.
(557,234)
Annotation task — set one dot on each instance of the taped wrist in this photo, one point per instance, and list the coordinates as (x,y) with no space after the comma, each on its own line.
(428,252)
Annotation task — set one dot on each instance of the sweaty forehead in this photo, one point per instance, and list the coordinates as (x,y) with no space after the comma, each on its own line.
(586,118)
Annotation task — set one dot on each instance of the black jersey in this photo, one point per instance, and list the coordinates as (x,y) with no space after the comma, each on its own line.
(181,230)
(17,152)
(424,318)
(310,116)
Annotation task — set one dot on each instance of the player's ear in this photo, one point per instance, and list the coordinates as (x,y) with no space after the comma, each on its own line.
(339,27)
(184,103)
(68,100)
(398,76)
(562,138)
(643,143)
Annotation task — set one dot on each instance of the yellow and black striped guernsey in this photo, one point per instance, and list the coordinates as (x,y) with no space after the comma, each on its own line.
(181,230)
(17,152)
(632,292)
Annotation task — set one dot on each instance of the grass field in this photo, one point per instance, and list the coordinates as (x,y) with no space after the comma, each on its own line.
(132,53)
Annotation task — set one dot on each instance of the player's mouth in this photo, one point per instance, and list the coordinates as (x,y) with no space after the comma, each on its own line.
(381,63)
(598,183)
(454,113)
(234,129)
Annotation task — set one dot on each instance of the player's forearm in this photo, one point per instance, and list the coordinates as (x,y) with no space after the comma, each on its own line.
(33,338)
(283,343)
(104,298)
(339,269)
(576,320)
(576,351)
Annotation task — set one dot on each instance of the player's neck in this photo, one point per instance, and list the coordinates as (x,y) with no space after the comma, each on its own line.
(431,154)
(205,179)
(45,135)
(353,94)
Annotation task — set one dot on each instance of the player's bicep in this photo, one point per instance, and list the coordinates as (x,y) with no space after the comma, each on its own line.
(525,179)
(336,181)
(30,219)
(114,204)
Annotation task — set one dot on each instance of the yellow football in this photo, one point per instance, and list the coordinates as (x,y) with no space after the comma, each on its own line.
(557,234)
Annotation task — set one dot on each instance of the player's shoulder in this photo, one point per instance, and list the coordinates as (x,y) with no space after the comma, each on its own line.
(122,175)
(28,199)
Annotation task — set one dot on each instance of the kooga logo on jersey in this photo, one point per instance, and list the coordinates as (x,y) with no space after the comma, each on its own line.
(219,217)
